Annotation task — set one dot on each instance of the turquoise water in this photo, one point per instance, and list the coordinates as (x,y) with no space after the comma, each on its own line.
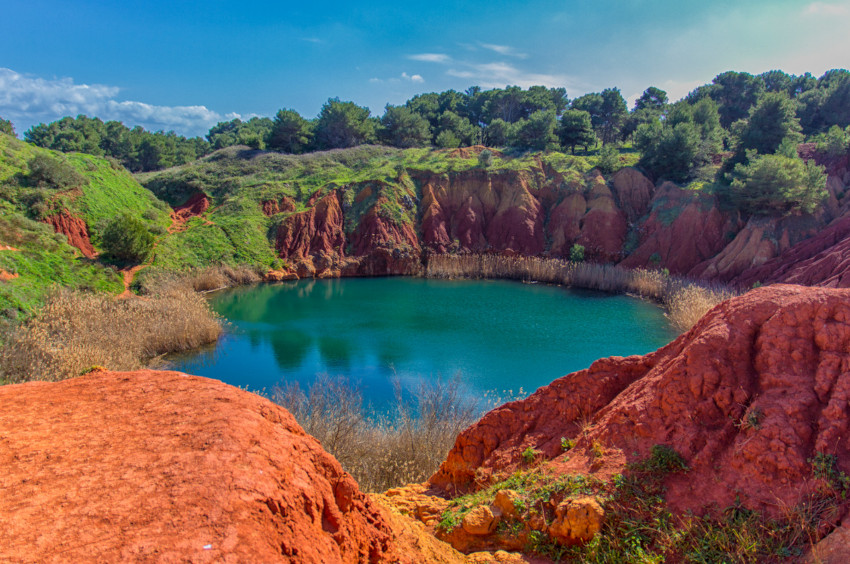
(499,335)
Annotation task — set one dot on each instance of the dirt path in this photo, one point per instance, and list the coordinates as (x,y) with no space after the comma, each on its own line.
(129,274)
(179,217)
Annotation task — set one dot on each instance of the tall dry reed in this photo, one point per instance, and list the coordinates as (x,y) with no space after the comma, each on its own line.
(688,304)
(686,301)
(403,447)
(200,279)
(75,331)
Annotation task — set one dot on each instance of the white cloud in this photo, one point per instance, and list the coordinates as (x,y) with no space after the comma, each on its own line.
(504,50)
(412,78)
(403,77)
(27,100)
(499,75)
(431,57)
(826,9)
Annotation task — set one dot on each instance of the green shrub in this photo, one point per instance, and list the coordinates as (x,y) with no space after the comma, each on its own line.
(49,172)
(770,184)
(485,158)
(127,239)
(609,159)
(577,253)
(529,454)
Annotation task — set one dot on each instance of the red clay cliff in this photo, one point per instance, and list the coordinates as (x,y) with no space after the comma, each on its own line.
(747,397)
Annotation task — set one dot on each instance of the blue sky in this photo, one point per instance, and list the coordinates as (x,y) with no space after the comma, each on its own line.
(185,65)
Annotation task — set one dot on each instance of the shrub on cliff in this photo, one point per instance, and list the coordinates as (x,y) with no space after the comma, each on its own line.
(127,239)
(50,172)
(771,184)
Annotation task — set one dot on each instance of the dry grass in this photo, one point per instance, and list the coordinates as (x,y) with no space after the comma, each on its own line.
(199,279)
(76,331)
(687,304)
(685,300)
(405,447)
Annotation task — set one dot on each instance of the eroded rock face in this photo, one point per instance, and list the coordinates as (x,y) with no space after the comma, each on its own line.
(74,228)
(316,232)
(633,191)
(272,207)
(356,230)
(683,229)
(747,396)
(822,260)
(162,466)
(760,240)
(479,211)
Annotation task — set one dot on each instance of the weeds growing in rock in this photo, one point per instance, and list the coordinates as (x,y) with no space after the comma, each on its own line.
(638,525)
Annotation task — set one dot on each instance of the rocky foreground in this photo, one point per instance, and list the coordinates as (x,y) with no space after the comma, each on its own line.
(168,467)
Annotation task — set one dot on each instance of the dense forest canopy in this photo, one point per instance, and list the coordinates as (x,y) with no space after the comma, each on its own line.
(739,117)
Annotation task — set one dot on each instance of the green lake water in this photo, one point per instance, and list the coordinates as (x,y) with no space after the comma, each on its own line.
(500,336)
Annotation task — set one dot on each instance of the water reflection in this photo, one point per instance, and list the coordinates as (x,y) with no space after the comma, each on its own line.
(498,335)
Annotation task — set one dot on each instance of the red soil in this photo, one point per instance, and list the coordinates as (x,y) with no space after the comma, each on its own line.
(747,396)
(161,466)
(272,207)
(74,228)
(195,206)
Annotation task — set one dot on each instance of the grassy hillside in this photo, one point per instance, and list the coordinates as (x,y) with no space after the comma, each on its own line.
(238,180)
(36,183)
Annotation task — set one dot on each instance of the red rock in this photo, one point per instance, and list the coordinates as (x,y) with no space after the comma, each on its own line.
(318,230)
(822,260)
(74,228)
(747,396)
(273,207)
(5,276)
(375,230)
(603,227)
(481,210)
(505,501)
(761,239)
(684,228)
(480,521)
(161,466)
(577,520)
(633,192)
(195,206)
(565,223)
(834,549)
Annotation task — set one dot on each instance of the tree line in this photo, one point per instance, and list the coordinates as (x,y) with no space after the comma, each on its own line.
(747,117)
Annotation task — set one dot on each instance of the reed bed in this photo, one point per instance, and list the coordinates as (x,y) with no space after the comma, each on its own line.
(202,280)
(686,301)
(76,331)
(403,447)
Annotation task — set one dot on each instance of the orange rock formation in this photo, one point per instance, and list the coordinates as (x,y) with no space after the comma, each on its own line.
(747,397)
(161,466)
